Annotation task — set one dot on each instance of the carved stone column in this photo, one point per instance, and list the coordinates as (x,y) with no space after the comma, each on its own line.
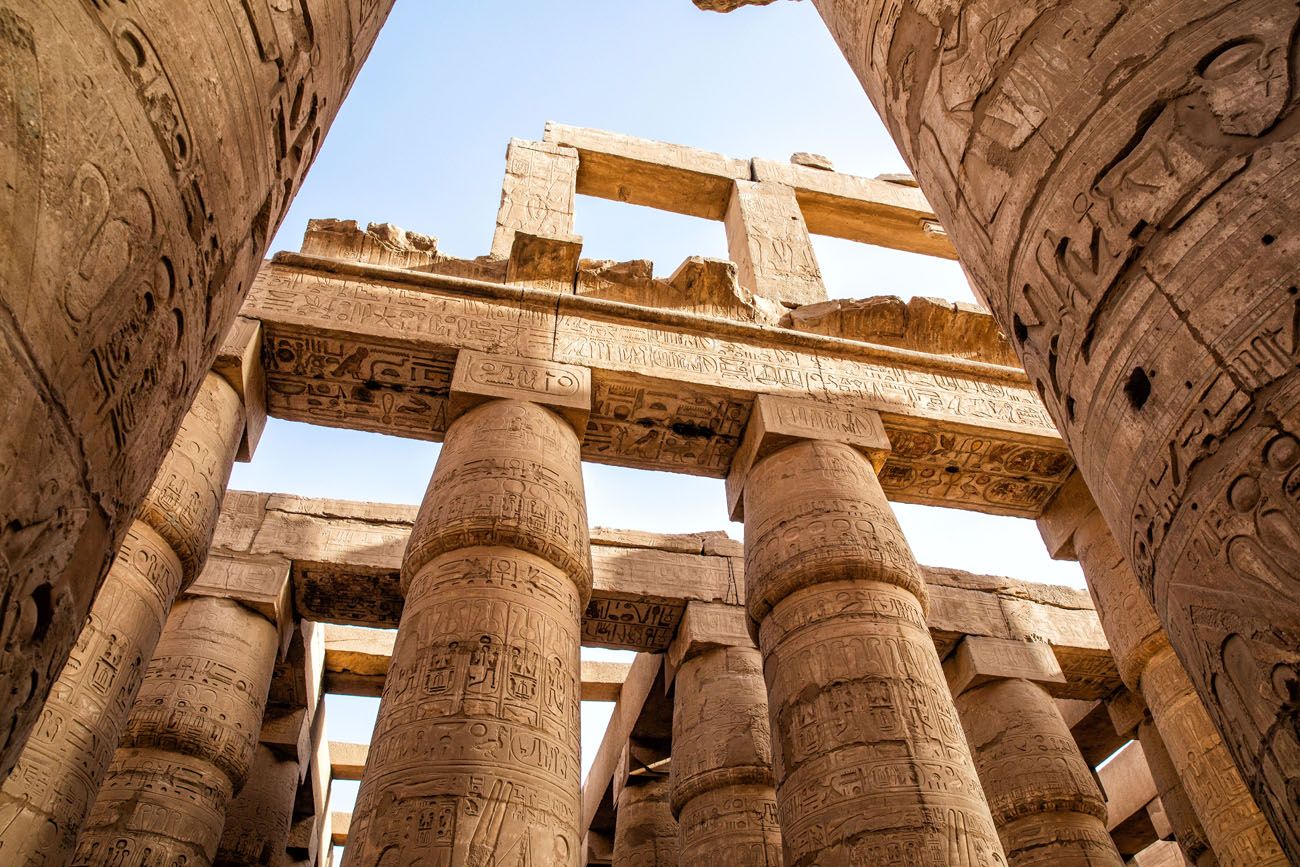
(1044,798)
(194,725)
(1236,829)
(867,750)
(721,772)
(159,149)
(645,834)
(1116,178)
(258,821)
(474,758)
(48,796)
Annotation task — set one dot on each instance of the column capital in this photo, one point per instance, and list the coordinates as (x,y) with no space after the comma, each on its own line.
(777,421)
(480,377)
(259,583)
(239,362)
(706,626)
(978,660)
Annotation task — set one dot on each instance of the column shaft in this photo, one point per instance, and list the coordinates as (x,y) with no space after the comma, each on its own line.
(1188,831)
(189,740)
(474,758)
(868,753)
(1235,827)
(256,833)
(722,789)
(159,149)
(1045,802)
(48,796)
(1118,180)
(645,834)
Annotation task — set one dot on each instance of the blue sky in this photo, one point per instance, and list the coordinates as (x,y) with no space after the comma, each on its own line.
(421,143)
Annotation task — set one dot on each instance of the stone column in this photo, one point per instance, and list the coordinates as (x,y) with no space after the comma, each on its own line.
(768,240)
(867,750)
(160,148)
(474,758)
(256,833)
(1044,798)
(1116,179)
(48,796)
(193,728)
(645,834)
(721,772)
(1235,827)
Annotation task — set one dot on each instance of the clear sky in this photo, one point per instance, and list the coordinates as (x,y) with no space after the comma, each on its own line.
(421,143)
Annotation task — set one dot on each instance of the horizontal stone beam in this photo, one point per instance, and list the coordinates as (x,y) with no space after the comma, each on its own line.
(345,558)
(357,659)
(698,183)
(372,347)
(340,822)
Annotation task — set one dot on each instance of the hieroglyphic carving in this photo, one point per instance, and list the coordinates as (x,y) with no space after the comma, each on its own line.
(475,758)
(537,195)
(645,834)
(50,792)
(1045,802)
(1116,179)
(189,740)
(135,230)
(868,753)
(355,346)
(1236,829)
(721,772)
(768,241)
(256,832)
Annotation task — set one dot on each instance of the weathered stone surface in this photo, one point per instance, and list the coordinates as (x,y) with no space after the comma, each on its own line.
(1236,829)
(768,241)
(140,197)
(256,833)
(538,194)
(707,287)
(1186,825)
(923,324)
(480,710)
(646,835)
(812,161)
(189,740)
(371,348)
(1117,180)
(861,718)
(721,772)
(1045,803)
(51,790)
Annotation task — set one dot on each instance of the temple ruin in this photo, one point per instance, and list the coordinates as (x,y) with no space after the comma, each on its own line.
(811,696)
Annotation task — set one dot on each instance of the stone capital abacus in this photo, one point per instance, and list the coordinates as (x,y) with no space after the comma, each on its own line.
(480,377)
(777,421)
(977,660)
(706,626)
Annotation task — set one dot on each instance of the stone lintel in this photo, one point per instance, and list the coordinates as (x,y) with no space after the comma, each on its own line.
(706,626)
(867,210)
(1128,785)
(670,389)
(778,421)
(1064,515)
(978,660)
(340,822)
(669,177)
(545,262)
(356,661)
(260,583)
(239,362)
(1127,709)
(287,732)
(348,760)
(480,377)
